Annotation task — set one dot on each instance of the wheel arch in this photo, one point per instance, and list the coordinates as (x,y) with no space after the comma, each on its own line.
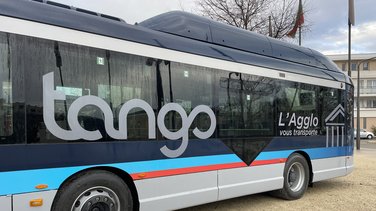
(118,172)
(308,159)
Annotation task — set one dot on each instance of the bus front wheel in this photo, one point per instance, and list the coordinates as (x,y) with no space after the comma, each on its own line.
(296,178)
(94,190)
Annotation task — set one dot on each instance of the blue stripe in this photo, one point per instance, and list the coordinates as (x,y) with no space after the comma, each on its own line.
(315,153)
(25,181)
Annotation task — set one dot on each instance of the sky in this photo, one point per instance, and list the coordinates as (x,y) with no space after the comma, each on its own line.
(328,20)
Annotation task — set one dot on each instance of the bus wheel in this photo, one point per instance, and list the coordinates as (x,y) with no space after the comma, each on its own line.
(296,178)
(94,190)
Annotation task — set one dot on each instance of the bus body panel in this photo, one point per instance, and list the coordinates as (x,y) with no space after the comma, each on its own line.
(21,202)
(350,156)
(176,192)
(349,164)
(6,203)
(328,168)
(249,180)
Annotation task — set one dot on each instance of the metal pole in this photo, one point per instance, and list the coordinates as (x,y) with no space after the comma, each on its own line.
(300,35)
(349,66)
(357,104)
(270,26)
(357,111)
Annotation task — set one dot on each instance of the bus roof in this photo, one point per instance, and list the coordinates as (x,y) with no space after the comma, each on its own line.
(207,30)
(183,32)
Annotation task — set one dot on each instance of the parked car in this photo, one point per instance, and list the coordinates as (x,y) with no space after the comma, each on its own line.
(364,134)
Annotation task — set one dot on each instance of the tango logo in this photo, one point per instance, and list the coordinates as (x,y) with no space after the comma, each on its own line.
(334,130)
(77,132)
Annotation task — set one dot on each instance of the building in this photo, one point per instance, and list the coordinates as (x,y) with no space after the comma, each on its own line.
(367,91)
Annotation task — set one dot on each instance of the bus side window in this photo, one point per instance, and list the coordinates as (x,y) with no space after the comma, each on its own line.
(188,86)
(12,110)
(245,105)
(6,111)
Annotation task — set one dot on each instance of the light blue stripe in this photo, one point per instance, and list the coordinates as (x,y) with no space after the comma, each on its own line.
(25,181)
(314,153)
(274,155)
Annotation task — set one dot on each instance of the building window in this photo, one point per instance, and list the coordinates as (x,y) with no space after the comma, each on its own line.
(343,66)
(361,82)
(371,84)
(365,66)
(369,103)
(353,66)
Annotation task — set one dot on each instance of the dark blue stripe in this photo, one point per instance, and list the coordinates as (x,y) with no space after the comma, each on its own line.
(38,156)
(297,142)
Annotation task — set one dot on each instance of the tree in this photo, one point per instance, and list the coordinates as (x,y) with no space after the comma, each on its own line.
(246,14)
(253,15)
(283,15)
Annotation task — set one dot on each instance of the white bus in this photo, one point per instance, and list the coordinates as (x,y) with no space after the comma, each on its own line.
(177,111)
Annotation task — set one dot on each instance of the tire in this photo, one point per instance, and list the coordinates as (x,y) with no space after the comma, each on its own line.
(296,178)
(94,189)
(370,137)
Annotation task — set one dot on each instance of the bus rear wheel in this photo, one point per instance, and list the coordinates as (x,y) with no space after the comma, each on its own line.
(296,178)
(94,191)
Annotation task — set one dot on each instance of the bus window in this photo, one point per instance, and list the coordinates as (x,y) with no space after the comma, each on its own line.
(12,109)
(294,102)
(188,86)
(131,78)
(330,99)
(300,98)
(6,111)
(79,71)
(245,106)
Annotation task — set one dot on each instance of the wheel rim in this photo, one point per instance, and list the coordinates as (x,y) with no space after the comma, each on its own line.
(97,199)
(296,176)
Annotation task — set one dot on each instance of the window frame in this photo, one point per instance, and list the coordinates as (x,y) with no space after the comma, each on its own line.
(365,65)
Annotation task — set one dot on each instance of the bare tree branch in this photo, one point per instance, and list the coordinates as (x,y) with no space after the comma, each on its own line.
(253,15)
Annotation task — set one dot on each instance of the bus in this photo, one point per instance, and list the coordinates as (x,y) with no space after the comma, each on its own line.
(172,112)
